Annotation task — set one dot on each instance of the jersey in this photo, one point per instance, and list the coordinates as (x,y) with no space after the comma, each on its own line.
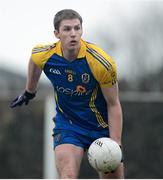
(77,84)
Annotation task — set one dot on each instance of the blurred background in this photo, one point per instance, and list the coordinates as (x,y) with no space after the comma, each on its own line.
(131,32)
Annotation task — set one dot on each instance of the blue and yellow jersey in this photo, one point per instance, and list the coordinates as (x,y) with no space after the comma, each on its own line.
(77,84)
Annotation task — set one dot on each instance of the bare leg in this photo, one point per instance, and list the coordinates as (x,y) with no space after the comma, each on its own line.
(68,160)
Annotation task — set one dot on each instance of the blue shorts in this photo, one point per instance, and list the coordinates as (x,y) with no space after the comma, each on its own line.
(64,136)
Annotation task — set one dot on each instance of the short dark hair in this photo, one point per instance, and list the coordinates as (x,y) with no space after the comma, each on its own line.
(65,14)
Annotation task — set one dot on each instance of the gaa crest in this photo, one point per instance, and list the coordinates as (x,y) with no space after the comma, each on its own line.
(85,78)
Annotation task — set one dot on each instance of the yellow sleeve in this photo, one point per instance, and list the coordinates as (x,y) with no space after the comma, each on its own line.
(102,66)
(109,77)
(41,54)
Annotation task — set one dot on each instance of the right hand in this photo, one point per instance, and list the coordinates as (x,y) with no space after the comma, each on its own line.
(22,99)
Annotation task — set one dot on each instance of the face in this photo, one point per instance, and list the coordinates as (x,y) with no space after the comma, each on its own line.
(70,32)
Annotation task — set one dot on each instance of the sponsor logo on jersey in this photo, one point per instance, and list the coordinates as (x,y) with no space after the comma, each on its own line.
(54,71)
(85,78)
(79,91)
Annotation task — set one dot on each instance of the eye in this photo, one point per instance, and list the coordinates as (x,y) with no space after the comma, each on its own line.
(67,28)
(77,28)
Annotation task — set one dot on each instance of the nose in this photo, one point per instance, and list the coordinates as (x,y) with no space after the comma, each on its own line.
(73,33)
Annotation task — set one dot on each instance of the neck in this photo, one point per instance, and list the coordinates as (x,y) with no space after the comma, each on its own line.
(70,55)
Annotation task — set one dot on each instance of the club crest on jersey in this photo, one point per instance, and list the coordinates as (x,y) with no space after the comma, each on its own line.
(85,78)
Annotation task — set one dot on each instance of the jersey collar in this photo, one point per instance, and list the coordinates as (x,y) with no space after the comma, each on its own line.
(82,51)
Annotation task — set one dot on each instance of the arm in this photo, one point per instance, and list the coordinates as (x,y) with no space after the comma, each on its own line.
(32,80)
(33,77)
(114,112)
(115,124)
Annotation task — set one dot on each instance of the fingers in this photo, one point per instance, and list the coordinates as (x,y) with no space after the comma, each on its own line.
(18,101)
(109,172)
(14,102)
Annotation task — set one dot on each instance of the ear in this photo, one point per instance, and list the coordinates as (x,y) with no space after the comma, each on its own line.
(56,33)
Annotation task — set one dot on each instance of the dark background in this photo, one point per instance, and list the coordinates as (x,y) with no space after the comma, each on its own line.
(21,141)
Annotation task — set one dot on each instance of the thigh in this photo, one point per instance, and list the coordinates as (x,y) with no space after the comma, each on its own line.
(68,159)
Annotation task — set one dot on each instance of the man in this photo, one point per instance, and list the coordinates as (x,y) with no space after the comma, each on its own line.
(86,93)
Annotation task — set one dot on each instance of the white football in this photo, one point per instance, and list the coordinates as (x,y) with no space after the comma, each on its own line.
(104,155)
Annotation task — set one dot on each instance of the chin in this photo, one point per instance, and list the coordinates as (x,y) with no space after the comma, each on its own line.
(72,48)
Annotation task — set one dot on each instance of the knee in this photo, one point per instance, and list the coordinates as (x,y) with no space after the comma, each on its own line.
(66,169)
(68,173)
